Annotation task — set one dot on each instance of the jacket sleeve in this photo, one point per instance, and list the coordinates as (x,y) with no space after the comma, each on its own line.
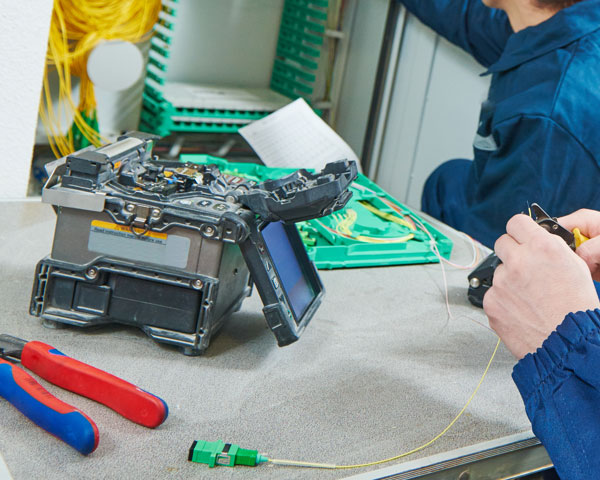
(560,385)
(480,30)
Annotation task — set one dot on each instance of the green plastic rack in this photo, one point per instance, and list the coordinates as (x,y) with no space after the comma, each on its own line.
(295,68)
(328,248)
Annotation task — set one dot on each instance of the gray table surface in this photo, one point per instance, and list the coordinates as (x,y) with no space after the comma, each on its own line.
(380,369)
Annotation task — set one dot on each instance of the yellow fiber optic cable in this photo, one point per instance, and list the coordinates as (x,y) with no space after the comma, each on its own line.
(76,28)
(404,239)
(283,462)
(386,216)
(295,463)
(342,229)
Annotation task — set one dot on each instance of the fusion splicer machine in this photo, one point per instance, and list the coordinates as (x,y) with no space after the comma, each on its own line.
(173,248)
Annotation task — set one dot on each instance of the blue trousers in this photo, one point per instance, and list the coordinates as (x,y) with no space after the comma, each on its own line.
(444,194)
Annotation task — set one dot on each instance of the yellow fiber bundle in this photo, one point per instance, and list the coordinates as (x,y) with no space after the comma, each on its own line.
(77,27)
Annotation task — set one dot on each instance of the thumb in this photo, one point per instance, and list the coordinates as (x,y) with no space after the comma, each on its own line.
(590,253)
(588,221)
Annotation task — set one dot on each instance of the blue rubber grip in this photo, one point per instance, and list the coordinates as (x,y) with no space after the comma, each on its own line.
(48,412)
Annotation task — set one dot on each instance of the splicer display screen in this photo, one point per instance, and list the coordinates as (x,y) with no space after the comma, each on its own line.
(292,274)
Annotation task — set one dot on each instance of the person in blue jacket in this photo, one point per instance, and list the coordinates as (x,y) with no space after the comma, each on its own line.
(538,135)
(544,306)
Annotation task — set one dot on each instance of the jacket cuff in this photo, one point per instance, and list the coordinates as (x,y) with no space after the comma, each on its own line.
(546,365)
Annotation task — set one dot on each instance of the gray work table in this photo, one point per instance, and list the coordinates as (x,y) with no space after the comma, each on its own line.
(380,370)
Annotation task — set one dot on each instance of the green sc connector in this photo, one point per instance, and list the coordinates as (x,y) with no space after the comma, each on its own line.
(225,454)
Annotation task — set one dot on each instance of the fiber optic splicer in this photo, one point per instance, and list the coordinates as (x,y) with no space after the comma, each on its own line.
(174,248)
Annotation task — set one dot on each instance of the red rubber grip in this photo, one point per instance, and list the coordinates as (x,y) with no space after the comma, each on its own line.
(123,397)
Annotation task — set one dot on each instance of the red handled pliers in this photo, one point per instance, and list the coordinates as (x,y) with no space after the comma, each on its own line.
(57,417)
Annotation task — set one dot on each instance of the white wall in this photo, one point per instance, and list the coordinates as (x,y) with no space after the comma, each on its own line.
(433,115)
(227,42)
(361,68)
(23,39)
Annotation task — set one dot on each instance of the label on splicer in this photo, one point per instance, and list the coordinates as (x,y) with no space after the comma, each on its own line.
(152,247)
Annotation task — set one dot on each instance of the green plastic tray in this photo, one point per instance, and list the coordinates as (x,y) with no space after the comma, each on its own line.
(329,249)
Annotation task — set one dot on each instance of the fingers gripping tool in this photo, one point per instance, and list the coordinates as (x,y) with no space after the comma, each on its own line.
(481,278)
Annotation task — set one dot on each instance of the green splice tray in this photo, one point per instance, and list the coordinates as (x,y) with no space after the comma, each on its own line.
(329,249)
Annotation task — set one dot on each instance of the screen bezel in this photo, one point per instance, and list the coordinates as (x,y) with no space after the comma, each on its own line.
(284,323)
(305,264)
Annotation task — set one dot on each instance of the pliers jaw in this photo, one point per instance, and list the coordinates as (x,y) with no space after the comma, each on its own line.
(11,347)
(551,225)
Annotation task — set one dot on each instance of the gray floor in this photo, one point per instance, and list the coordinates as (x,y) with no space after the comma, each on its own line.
(380,370)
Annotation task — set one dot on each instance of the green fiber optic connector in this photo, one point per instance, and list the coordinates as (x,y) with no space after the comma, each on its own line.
(226,454)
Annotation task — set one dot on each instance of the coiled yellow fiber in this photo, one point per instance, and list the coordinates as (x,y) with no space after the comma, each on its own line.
(77,26)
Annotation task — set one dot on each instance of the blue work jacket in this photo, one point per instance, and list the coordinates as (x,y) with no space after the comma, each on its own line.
(560,385)
(538,138)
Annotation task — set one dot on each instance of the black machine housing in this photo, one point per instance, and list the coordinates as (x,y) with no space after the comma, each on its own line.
(173,248)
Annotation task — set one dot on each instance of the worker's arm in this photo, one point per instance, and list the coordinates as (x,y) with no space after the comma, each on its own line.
(560,386)
(540,281)
(480,30)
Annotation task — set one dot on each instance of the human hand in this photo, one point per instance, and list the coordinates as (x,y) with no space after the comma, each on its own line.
(588,222)
(539,282)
